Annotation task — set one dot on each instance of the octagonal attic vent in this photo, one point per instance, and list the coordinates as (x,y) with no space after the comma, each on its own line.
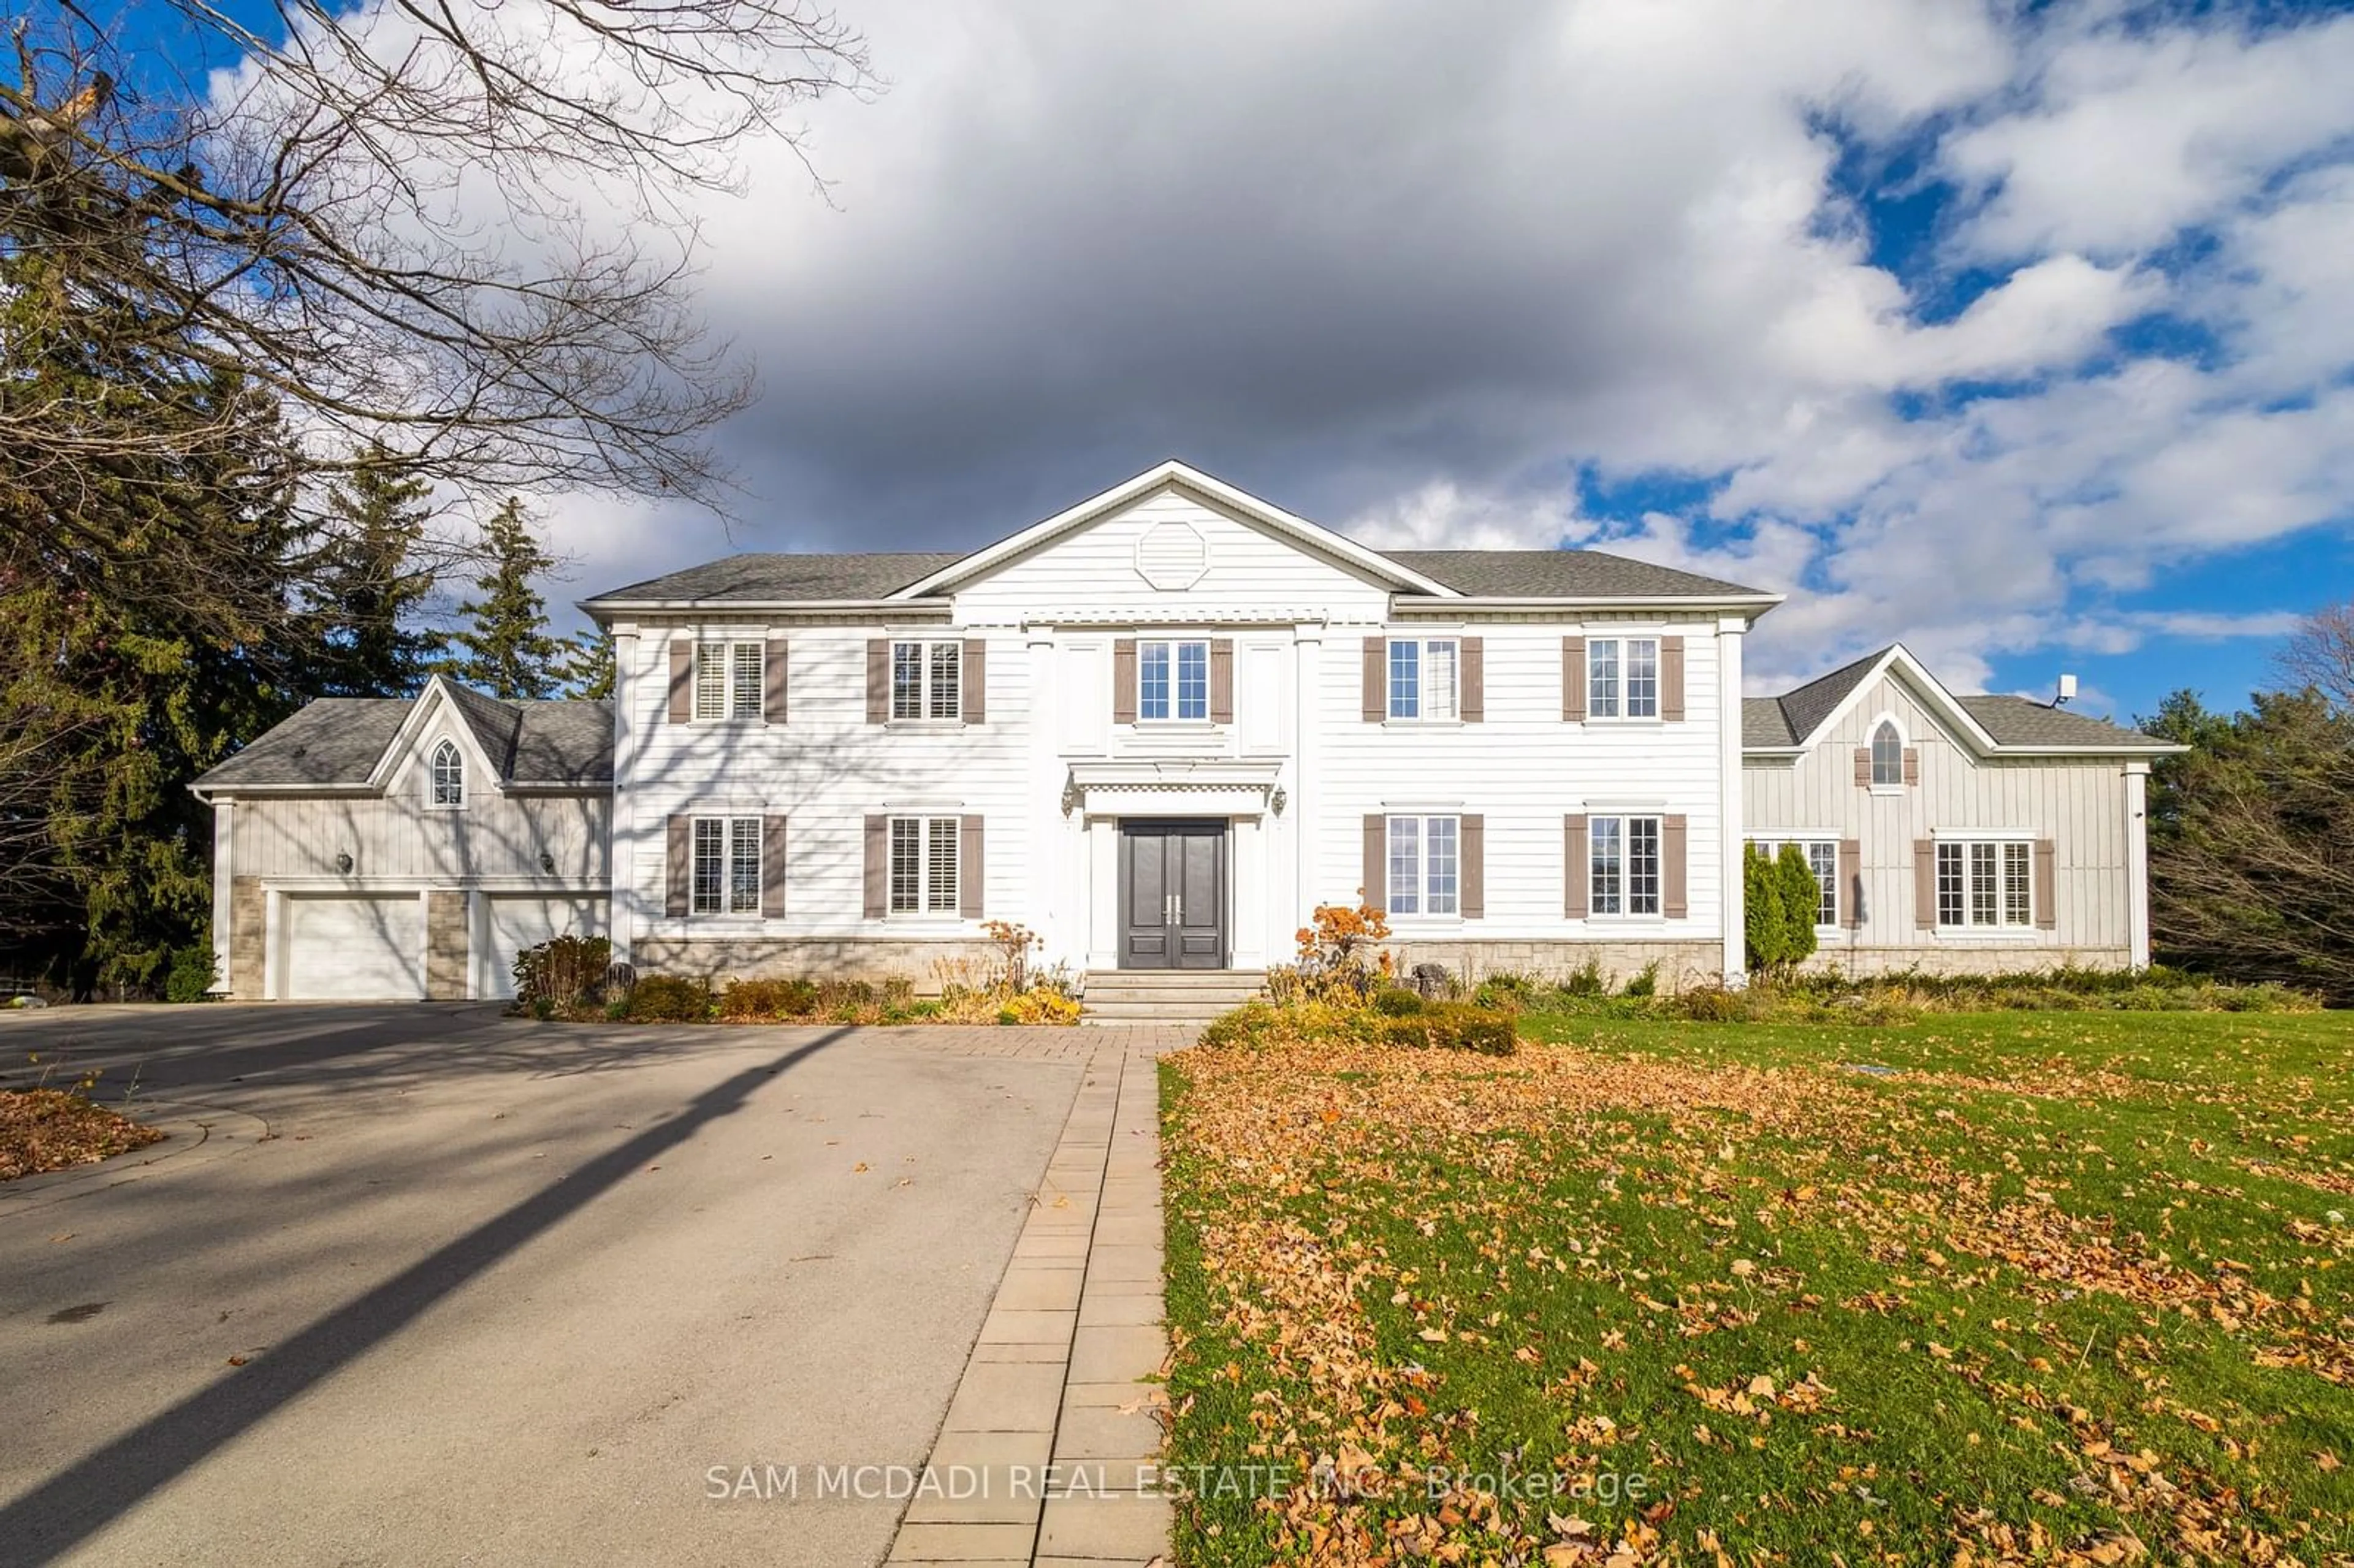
(1172,556)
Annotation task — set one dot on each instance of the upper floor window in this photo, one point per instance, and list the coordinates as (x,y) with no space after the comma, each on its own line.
(1823,859)
(1623,865)
(727,680)
(927,680)
(1424,866)
(1423,677)
(1985,882)
(924,869)
(448,771)
(1173,679)
(727,865)
(1887,754)
(1622,678)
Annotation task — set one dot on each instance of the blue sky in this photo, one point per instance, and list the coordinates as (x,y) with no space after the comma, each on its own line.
(2024,334)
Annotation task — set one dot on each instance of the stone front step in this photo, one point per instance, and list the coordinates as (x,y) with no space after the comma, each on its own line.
(1166,996)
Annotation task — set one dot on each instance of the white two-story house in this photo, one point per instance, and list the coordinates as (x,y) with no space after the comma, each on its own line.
(1158,729)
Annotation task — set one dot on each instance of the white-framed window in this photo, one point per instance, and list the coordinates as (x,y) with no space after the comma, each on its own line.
(1985,884)
(1622,678)
(1623,865)
(1424,677)
(1887,754)
(1823,859)
(927,680)
(1426,868)
(924,865)
(728,680)
(446,773)
(727,865)
(1173,679)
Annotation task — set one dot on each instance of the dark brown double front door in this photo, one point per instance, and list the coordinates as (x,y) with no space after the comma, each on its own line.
(1173,893)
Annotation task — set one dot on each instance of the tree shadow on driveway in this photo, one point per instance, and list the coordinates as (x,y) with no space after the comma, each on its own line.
(75,1504)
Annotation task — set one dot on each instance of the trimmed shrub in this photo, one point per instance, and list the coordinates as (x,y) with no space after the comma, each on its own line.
(670,999)
(1645,981)
(566,973)
(193,971)
(767,999)
(1452,1026)
(1395,1003)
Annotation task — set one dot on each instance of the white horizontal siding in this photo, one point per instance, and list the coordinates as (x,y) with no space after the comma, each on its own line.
(826,768)
(395,836)
(1092,575)
(1523,768)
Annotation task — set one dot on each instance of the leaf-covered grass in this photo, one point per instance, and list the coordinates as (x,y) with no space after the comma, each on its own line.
(2039,1287)
(50,1129)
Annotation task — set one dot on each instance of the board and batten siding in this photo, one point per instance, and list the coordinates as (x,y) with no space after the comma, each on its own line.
(1524,768)
(2079,803)
(826,769)
(397,837)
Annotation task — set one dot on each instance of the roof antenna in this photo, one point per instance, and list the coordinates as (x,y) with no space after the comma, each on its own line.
(2067,691)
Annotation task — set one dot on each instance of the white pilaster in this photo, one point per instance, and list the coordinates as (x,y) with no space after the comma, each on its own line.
(1729,630)
(622,914)
(223,870)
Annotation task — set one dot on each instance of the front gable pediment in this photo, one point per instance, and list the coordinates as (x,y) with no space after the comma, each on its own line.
(1172,530)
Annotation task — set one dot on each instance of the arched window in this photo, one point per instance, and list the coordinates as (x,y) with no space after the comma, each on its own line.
(1887,754)
(449,775)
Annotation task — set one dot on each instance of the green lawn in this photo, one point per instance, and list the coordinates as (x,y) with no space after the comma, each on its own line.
(2046,1287)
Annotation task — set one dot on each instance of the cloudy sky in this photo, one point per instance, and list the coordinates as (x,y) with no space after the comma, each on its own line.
(2020,333)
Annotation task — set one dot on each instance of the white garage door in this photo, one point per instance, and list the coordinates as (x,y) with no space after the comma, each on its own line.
(518,920)
(355,948)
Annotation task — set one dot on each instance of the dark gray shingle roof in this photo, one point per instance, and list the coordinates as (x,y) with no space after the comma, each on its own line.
(1530,574)
(2019,721)
(787,579)
(338,741)
(1805,708)
(1557,574)
(1763,723)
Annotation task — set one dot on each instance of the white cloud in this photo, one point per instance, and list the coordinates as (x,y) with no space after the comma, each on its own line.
(1425,272)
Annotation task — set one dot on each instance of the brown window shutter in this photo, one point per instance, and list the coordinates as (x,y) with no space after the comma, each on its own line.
(1573,680)
(1471,873)
(1123,681)
(878,868)
(1221,680)
(1576,885)
(1377,679)
(772,863)
(682,678)
(1471,701)
(1671,679)
(970,874)
(879,680)
(1376,888)
(1924,884)
(2047,884)
(775,667)
(1863,767)
(1850,893)
(678,868)
(972,674)
(1912,765)
(1673,832)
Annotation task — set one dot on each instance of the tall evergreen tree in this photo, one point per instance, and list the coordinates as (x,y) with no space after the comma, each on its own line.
(509,651)
(591,666)
(364,637)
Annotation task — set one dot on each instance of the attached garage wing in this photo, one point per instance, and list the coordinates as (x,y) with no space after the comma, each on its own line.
(510,922)
(342,948)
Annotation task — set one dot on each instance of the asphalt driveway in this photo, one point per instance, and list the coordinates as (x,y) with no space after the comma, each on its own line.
(423,1284)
